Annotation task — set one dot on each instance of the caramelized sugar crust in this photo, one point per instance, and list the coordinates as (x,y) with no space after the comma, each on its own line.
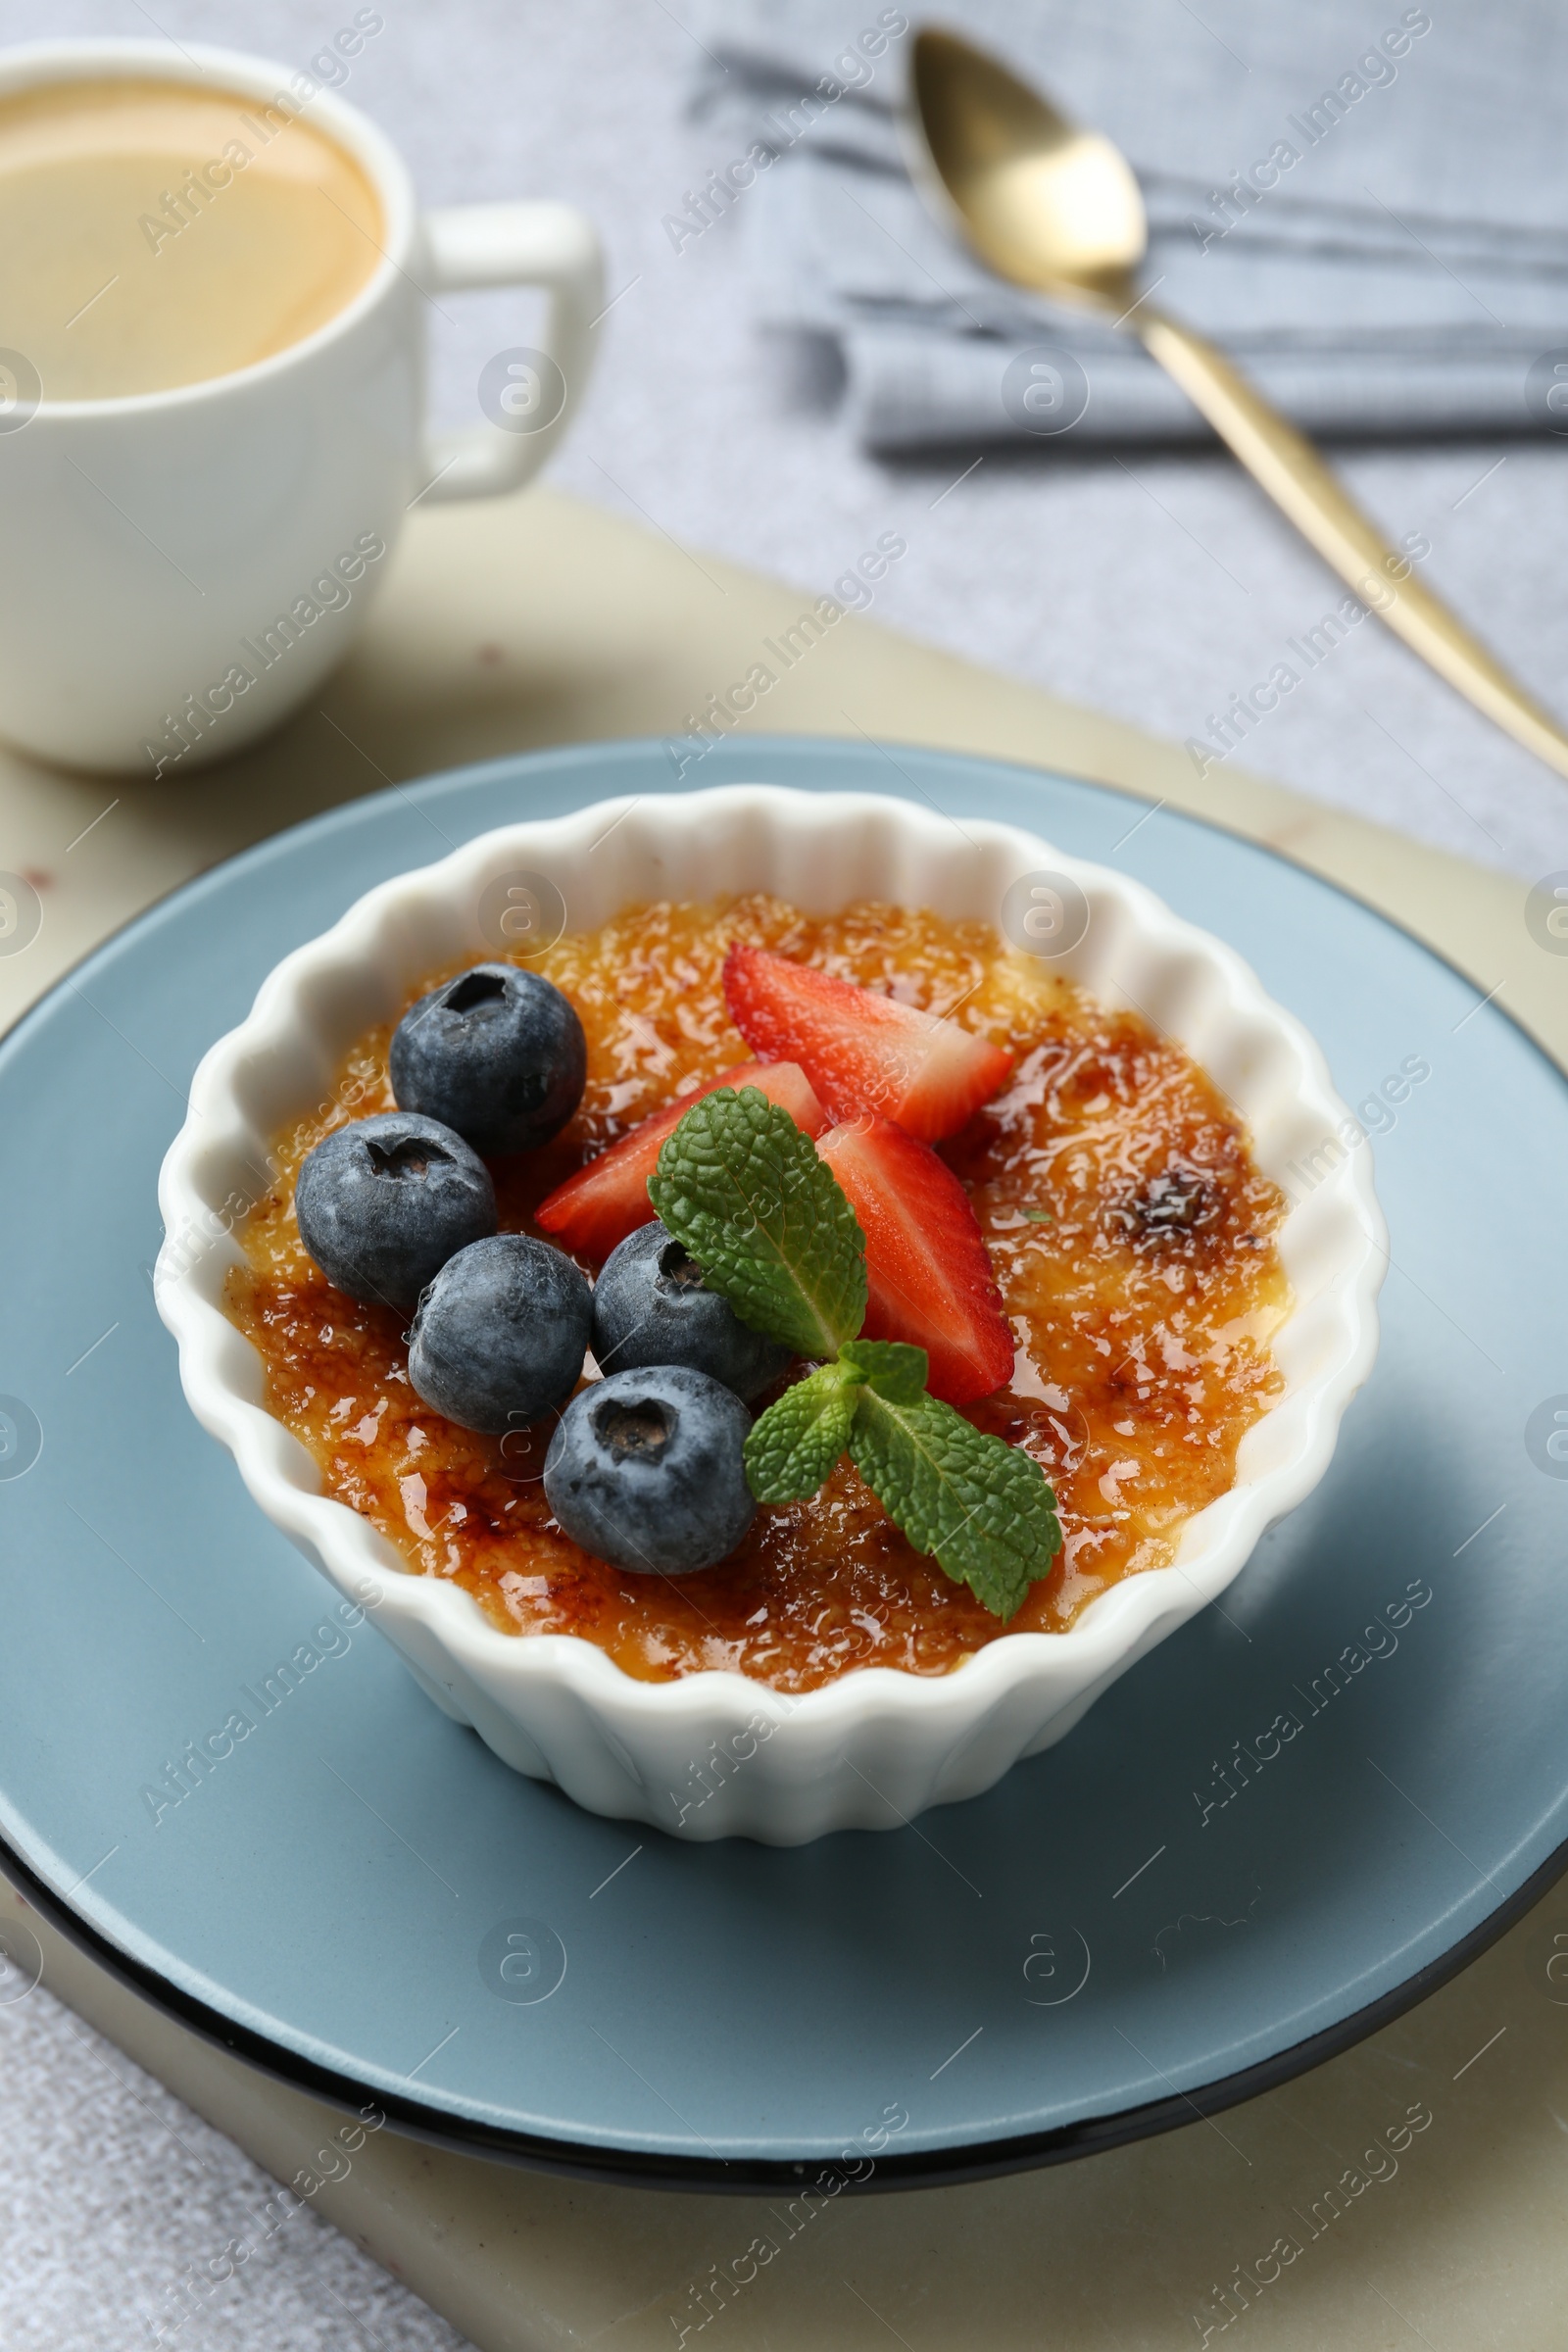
(1131,1236)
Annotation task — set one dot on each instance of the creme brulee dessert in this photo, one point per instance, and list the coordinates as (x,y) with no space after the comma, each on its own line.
(1117,1245)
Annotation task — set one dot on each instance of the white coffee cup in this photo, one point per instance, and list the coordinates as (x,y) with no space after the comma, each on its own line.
(181,567)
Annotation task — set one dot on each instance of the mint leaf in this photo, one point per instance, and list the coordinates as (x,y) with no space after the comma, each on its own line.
(980,1506)
(749,1197)
(894,1369)
(795,1442)
(794,1446)
(745,1193)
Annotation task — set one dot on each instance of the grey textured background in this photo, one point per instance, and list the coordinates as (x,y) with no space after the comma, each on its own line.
(1152,585)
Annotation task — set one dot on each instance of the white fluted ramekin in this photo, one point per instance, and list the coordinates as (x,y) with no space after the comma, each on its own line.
(717,1754)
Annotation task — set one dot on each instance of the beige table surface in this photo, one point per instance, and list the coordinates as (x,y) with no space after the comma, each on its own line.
(539,622)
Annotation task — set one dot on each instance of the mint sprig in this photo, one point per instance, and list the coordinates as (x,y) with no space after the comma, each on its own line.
(746,1195)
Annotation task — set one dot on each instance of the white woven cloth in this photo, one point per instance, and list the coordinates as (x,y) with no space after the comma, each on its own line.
(113,2193)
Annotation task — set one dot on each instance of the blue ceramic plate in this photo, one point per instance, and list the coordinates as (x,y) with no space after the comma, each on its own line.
(1294,1818)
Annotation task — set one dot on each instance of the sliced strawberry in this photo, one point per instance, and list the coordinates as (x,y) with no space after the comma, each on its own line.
(863,1052)
(926,1263)
(607,1199)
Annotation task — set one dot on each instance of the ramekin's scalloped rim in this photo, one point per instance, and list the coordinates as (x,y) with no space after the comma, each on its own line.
(556,1705)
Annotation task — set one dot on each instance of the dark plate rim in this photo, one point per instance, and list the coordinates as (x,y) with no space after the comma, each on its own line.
(586,2160)
(822,2176)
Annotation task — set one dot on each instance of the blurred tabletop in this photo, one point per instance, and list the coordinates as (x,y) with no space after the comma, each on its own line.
(1148,586)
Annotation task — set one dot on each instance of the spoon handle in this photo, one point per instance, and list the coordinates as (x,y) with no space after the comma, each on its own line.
(1291,471)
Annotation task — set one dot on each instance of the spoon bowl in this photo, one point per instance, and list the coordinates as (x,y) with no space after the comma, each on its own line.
(1046,203)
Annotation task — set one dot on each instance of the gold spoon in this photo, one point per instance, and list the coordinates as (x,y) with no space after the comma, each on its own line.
(1057,209)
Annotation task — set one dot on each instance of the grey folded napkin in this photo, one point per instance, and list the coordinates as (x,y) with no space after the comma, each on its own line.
(1369,210)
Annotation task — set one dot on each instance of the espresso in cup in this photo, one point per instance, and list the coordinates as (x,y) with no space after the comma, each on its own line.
(158,234)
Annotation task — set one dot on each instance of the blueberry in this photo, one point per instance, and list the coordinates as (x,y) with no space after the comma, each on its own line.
(645,1470)
(496,1053)
(383,1203)
(500,1332)
(652,1306)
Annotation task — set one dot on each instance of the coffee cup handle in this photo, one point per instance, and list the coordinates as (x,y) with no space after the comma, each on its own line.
(528,394)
